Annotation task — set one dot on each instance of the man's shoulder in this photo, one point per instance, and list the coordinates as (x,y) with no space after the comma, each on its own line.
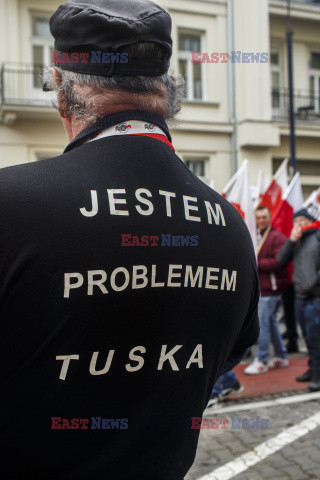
(311,239)
(27,175)
(32,167)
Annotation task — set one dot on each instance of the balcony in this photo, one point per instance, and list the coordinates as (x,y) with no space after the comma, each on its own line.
(21,93)
(311,3)
(300,9)
(306,106)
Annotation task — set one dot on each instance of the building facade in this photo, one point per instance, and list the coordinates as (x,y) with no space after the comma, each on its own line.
(236,103)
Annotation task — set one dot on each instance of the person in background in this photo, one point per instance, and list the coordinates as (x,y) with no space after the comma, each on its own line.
(291,334)
(303,248)
(272,279)
(225,385)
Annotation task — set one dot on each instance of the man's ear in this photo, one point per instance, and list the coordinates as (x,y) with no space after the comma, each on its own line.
(57,81)
(56,77)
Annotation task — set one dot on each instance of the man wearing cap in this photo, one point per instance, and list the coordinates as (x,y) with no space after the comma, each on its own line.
(127,286)
(303,249)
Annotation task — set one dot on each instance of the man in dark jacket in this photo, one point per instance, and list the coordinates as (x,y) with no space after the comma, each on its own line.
(127,286)
(272,279)
(303,248)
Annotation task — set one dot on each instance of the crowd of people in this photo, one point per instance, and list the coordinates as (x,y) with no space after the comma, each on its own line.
(289,276)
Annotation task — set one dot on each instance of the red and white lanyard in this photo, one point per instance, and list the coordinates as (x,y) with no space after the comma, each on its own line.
(134,127)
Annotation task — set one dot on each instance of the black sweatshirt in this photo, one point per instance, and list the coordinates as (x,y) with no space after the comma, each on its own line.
(127,286)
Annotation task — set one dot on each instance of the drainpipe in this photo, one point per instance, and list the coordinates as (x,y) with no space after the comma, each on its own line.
(231,90)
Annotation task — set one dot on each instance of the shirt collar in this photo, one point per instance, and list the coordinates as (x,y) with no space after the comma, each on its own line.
(264,230)
(109,120)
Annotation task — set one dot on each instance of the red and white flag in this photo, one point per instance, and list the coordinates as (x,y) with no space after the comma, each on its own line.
(312,204)
(292,201)
(263,182)
(262,185)
(238,193)
(273,195)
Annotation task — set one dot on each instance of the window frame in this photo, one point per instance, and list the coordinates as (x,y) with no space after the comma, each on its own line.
(315,73)
(187,56)
(276,68)
(200,158)
(39,41)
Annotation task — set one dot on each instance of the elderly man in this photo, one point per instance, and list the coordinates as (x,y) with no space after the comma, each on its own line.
(127,285)
(303,249)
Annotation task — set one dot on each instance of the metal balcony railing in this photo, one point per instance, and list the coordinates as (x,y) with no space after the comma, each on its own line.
(302,2)
(21,85)
(306,106)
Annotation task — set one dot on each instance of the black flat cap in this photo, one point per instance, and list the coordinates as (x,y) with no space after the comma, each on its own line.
(304,213)
(89,33)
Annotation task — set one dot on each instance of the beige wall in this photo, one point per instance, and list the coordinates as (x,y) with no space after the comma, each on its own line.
(21,142)
(252,80)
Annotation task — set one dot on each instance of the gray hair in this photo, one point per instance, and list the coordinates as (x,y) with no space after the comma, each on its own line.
(81,94)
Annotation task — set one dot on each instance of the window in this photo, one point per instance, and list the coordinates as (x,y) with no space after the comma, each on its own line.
(42,46)
(197,166)
(315,60)
(275,78)
(305,167)
(191,72)
(314,80)
(308,189)
(40,27)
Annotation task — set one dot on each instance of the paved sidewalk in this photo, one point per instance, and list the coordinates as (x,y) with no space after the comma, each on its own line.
(299,459)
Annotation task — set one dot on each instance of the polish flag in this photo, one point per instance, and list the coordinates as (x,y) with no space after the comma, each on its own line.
(292,201)
(238,193)
(273,195)
(312,204)
(262,185)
